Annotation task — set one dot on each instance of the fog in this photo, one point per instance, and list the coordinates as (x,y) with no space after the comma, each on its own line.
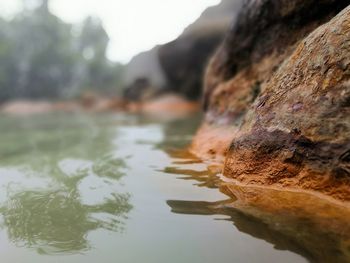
(133,26)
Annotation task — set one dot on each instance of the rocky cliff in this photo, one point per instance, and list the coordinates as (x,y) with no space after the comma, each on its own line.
(184,59)
(276,97)
(178,66)
(144,76)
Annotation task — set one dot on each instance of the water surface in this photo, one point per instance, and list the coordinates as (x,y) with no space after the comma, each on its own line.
(110,188)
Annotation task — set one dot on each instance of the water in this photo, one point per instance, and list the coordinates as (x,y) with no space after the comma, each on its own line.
(111,188)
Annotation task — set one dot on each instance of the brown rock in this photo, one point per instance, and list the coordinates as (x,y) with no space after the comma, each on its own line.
(168,106)
(265,33)
(211,142)
(280,81)
(297,133)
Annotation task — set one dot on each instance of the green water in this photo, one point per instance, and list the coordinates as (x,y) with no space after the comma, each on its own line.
(104,188)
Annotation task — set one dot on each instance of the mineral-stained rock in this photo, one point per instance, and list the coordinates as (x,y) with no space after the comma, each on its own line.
(211,142)
(280,80)
(297,133)
(265,33)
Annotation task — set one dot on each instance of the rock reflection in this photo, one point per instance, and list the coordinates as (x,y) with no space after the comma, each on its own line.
(82,194)
(317,229)
(204,175)
(56,222)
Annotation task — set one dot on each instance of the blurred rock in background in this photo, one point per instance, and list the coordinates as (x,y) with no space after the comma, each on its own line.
(179,66)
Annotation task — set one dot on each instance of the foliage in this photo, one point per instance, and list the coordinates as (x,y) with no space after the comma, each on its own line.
(43,57)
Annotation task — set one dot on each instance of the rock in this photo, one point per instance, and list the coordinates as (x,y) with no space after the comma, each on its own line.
(297,132)
(93,102)
(170,103)
(280,82)
(184,59)
(211,142)
(141,90)
(177,67)
(167,106)
(144,76)
(265,33)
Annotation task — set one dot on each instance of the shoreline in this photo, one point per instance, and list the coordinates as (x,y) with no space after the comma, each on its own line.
(168,104)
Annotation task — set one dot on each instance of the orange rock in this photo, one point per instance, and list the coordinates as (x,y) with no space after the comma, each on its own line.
(277,96)
(297,133)
(169,105)
(212,142)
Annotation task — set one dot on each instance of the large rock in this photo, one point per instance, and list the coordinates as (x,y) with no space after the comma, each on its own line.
(178,66)
(280,82)
(297,133)
(184,59)
(144,77)
(264,35)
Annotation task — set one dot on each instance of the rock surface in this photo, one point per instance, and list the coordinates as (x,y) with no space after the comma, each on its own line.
(280,81)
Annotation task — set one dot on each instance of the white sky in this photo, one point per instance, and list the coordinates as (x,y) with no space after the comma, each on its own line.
(133,25)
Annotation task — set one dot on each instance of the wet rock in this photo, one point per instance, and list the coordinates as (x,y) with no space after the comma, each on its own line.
(297,132)
(210,142)
(264,35)
(280,80)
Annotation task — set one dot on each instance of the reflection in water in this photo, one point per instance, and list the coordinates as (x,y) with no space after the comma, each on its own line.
(56,222)
(58,217)
(64,177)
(204,178)
(298,222)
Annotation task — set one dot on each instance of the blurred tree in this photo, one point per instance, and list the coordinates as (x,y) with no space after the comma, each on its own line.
(45,6)
(93,43)
(7,65)
(45,58)
(42,57)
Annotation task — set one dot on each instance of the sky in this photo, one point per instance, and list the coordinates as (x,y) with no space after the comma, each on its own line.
(132,25)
